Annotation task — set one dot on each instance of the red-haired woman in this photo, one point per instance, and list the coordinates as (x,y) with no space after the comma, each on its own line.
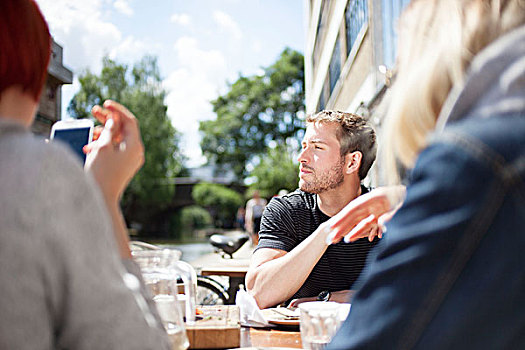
(67,280)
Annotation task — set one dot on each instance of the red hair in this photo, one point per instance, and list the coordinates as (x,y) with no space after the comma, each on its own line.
(25,46)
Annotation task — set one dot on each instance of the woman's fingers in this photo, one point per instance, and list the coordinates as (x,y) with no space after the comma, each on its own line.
(100,113)
(356,221)
(126,123)
(386,217)
(103,115)
(361,229)
(117,107)
(366,215)
(373,233)
(96,135)
(127,128)
(121,115)
(97,131)
(116,112)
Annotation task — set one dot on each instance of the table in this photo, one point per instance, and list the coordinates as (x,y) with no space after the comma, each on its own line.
(257,337)
(220,328)
(235,274)
(235,269)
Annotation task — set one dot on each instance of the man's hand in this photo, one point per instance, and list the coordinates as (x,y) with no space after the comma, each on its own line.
(366,215)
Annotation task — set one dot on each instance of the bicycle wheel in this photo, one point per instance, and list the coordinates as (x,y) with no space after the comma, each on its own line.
(210,292)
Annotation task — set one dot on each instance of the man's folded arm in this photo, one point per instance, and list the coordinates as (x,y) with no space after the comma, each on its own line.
(276,275)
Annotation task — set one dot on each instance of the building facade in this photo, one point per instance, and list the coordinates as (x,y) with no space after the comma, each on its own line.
(349,57)
(49,109)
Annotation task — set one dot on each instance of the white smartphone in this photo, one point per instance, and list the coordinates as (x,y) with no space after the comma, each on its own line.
(76,133)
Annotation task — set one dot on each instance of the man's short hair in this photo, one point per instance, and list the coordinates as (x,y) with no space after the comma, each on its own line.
(353,134)
(25,46)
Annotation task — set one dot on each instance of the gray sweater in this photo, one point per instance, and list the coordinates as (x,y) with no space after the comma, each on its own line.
(62,282)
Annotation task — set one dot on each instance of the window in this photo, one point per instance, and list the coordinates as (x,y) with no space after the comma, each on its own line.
(320,32)
(391,9)
(335,64)
(356,16)
(325,95)
(322,101)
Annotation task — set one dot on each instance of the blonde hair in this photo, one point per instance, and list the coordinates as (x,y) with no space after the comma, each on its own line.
(437,42)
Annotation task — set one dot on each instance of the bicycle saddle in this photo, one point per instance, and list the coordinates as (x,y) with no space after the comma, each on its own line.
(228,244)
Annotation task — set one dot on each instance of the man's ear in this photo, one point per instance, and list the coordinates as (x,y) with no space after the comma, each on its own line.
(353,161)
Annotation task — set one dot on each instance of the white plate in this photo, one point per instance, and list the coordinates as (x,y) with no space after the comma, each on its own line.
(275,317)
(283,322)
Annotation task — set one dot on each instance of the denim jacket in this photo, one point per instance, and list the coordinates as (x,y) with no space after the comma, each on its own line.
(450,270)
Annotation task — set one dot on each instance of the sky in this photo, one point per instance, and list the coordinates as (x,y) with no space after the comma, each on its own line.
(201,46)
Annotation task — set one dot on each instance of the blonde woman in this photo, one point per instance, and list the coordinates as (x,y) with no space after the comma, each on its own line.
(449,272)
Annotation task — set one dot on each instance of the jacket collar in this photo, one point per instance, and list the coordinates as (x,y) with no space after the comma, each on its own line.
(494,85)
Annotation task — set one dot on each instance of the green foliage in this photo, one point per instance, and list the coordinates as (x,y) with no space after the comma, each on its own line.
(277,170)
(257,111)
(221,201)
(140,90)
(195,217)
(95,89)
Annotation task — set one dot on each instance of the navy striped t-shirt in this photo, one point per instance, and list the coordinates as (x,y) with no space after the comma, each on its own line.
(290,219)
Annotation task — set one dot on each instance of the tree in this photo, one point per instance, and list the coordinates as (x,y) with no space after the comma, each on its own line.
(140,90)
(277,170)
(221,201)
(256,112)
(194,217)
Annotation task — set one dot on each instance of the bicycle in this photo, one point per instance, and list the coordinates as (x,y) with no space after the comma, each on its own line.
(211,291)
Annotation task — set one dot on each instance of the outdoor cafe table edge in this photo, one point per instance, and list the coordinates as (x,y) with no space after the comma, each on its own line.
(267,337)
(249,337)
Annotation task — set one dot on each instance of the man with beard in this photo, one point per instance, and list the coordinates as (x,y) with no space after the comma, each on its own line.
(293,260)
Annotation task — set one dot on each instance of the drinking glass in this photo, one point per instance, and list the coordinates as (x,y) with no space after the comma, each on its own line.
(160,270)
(319,321)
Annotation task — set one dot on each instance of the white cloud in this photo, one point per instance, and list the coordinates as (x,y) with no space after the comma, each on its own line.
(257,46)
(182,19)
(191,87)
(123,7)
(260,72)
(210,63)
(226,23)
(85,42)
(131,50)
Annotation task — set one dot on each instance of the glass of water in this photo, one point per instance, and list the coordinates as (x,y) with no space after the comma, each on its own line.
(319,321)
(161,270)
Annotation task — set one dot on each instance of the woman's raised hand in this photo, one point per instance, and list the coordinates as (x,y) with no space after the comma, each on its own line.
(366,215)
(117,152)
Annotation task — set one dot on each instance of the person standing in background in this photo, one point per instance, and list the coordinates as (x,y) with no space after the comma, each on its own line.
(240,218)
(254,210)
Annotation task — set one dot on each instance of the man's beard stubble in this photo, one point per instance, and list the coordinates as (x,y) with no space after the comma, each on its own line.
(325,181)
